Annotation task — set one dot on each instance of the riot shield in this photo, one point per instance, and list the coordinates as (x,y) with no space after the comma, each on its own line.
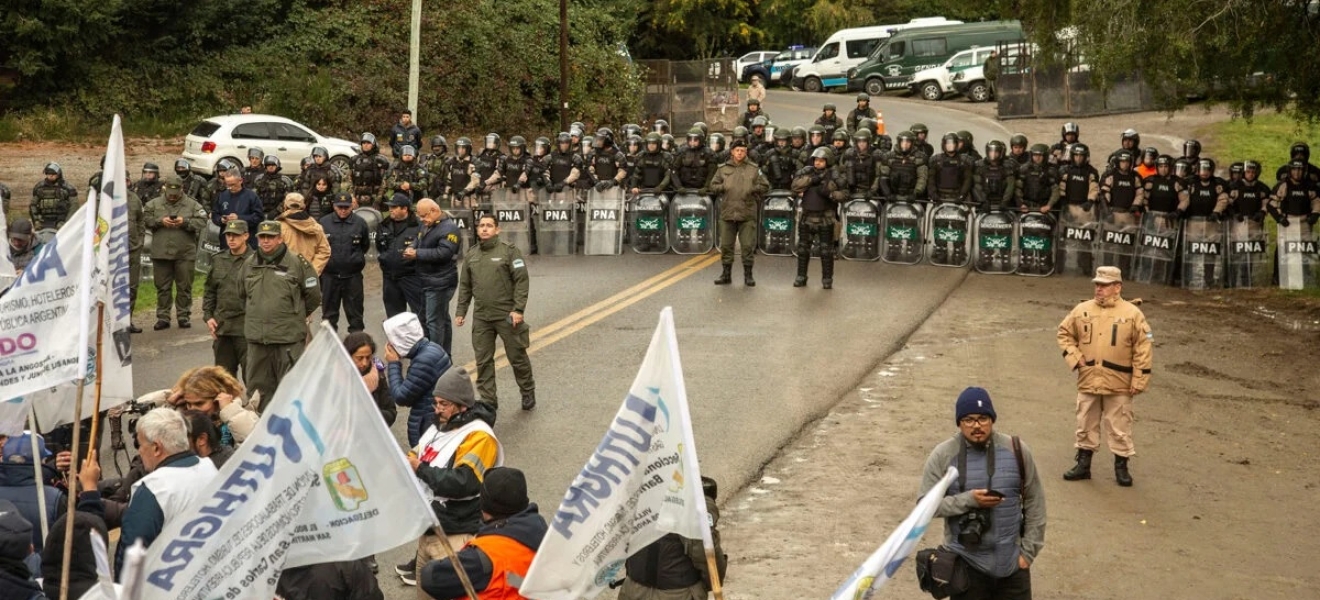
(604,233)
(1118,239)
(209,245)
(373,219)
(513,209)
(466,222)
(1247,256)
(1297,256)
(996,247)
(1156,248)
(861,230)
(692,223)
(649,232)
(949,244)
(556,226)
(1076,239)
(1035,244)
(904,227)
(1203,254)
(778,217)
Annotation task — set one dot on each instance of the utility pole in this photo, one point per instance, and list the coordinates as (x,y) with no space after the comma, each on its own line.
(414,57)
(563,65)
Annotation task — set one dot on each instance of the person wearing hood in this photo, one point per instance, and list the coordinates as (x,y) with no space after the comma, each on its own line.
(19,485)
(15,546)
(280,291)
(675,567)
(452,460)
(82,559)
(427,362)
(498,558)
(302,234)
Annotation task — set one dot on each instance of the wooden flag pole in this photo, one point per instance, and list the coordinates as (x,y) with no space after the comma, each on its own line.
(96,407)
(453,559)
(73,486)
(714,568)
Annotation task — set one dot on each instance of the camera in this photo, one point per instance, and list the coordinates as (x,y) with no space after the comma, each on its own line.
(972,526)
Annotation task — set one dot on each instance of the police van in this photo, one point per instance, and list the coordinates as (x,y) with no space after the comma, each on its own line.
(846,49)
(892,64)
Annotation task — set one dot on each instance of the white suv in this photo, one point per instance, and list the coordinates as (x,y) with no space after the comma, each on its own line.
(231,136)
(937,82)
(752,58)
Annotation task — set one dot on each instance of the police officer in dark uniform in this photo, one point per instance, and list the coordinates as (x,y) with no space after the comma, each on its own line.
(608,166)
(1130,142)
(459,174)
(319,169)
(1207,195)
(994,180)
(951,173)
(922,132)
(1071,133)
(194,186)
(254,168)
(797,140)
(1038,182)
(816,138)
(1249,195)
(1017,149)
(405,133)
(1186,166)
(1299,151)
(654,170)
(757,143)
(632,150)
(1296,197)
(753,111)
(272,186)
(863,111)
(401,288)
(839,143)
(514,169)
(486,168)
(434,163)
(861,165)
(1165,192)
(903,171)
(967,145)
(368,171)
(694,165)
(52,199)
(149,185)
(830,120)
(565,166)
(407,175)
(779,165)
(820,188)
(1122,190)
(341,280)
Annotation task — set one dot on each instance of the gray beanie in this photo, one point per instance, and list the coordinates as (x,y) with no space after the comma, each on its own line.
(456,386)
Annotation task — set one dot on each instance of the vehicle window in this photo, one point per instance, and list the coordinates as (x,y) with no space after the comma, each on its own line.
(896,49)
(205,129)
(292,133)
(251,131)
(750,57)
(929,47)
(861,48)
(827,52)
(964,59)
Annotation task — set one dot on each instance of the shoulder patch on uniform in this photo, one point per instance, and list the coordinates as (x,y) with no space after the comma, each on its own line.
(453,237)
(518,263)
(309,283)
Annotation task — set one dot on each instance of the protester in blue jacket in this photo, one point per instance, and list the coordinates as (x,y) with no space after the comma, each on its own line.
(427,361)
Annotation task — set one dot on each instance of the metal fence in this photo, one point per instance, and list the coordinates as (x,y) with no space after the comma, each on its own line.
(1028,89)
(684,92)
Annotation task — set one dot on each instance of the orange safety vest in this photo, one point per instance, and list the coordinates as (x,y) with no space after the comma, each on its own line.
(509,561)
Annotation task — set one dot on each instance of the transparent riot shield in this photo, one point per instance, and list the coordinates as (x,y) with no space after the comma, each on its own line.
(861,230)
(1203,254)
(1035,244)
(650,233)
(604,228)
(1119,231)
(778,217)
(1248,259)
(950,242)
(996,242)
(1156,248)
(1298,260)
(513,209)
(466,221)
(209,245)
(556,225)
(692,223)
(373,219)
(1076,239)
(904,231)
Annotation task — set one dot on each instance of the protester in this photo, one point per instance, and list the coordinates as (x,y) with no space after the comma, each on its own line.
(452,460)
(15,546)
(175,478)
(497,559)
(82,560)
(302,234)
(345,580)
(19,485)
(427,362)
(362,349)
(1107,342)
(674,567)
(212,390)
(994,513)
(494,275)
(204,438)
(281,291)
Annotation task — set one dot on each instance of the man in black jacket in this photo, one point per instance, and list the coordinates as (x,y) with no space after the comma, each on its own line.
(341,282)
(436,255)
(237,201)
(401,288)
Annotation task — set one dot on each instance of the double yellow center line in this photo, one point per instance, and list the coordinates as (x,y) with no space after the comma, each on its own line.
(545,336)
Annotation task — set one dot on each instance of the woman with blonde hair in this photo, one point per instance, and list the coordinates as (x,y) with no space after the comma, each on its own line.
(214,391)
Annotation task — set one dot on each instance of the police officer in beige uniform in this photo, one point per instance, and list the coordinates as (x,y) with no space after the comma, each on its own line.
(1107,341)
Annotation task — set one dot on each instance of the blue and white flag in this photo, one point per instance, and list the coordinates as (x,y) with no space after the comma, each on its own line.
(321,479)
(880,567)
(7,272)
(640,483)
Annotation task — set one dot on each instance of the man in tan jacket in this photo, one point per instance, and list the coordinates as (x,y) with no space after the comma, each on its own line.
(302,234)
(1107,341)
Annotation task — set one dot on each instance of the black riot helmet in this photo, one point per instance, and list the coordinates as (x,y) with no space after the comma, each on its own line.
(271,161)
(653,141)
(966,138)
(705,129)
(798,133)
(1124,156)
(1300,151)
(1205,168)
(717,142)
(541,146)
(829,107)
(920,130)
(1073,129)
(634,143)
(255,152)
(863,97)
(1163,161)
(517,144)
(564,139)
(307,160)
(1080,150)
(367,138)
(320,152)
(781,135)
(439,142)
(1192,149)
(1018,141)
(579,126)
(632,129)
(995,150)
(1151,153)
(753,102)
(862,135)
(463,146)
(225,164)
(661,126)
(949,143)
(1039,152)
(1236,169)
(492,141)
(408,150)
(906,140)
(606,134)
(694,137)
(150,167)
(182,167)
(1251,170)
(54,168)
(1130,140)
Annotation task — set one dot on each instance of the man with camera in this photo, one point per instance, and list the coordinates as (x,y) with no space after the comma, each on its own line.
(994,513)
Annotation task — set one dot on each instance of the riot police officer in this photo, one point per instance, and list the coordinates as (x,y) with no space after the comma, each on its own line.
(695,164)
(254,168)
(660,126)
(1249,195)
(863,111)
(538,163)
(608,166)
(1302,152)
(194,186)
(830,120)
(1071,133)
(816,138)
(667,140)
(1130,142)
(757,143)
(780,164)
(632,149)
(1079,183)
(1164,191)
(820,189)
(861,165)
(149,185)
(486,167)
(717,146)
(564,167)
(903,171)
(1122,191)
(797,140)
(459,173)
(967,145)
(753,111)
(1038,182)
(922,132)
(839,142)
(1207,195)
(52,199)
(272,186)
(368,171)
(407,175)
(514,170)
(951,173)
(1146,167)
(994,179)
(1017,149)
(1296,197)
(320,168)
(1186,166)
(654,167)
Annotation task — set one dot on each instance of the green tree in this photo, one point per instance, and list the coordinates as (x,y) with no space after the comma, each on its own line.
(51,43)
(695,29)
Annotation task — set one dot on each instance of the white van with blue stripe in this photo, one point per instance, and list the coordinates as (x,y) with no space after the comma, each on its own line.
(846,49)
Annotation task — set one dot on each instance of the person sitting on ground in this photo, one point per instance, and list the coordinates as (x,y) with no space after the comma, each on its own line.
(427,362)
(15,546)
(204,436)
(344,580)
(88,517)
(362,349)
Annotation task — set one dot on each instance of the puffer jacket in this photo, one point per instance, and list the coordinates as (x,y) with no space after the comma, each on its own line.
(305,237)
(741,187)
(427,361)
(1108,346)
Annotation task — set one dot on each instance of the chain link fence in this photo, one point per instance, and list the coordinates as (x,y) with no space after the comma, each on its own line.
(685,92)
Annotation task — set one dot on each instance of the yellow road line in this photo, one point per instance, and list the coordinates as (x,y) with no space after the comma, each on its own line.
(596,312)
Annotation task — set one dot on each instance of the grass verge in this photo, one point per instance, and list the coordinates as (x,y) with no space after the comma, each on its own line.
(146,299)
(1265,139)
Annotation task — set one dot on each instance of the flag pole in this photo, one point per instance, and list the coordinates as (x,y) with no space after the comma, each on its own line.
(453,559)
(73,484)
(96,405)
(36,466)
(714,568)
(85,291)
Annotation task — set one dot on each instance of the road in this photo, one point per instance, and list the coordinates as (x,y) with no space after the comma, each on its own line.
(759,363)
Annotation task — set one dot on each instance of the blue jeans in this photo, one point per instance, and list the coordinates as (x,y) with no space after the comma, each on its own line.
(439,325)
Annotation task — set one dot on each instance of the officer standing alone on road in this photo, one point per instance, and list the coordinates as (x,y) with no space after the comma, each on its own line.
(495,275)
(741,186)
(1107,341)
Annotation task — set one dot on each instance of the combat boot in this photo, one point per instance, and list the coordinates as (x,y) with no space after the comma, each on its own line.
(1121,474)
(747,276)
(726,276)
(827,271)
(803,261)
(1081,470)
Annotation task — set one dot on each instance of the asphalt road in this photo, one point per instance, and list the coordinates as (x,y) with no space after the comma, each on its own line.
(759,363)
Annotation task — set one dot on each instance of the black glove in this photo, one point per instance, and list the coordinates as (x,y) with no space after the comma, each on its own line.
(1179,214)
(1241,217)
(555,188)
(1259,217)
(1312,218)
(1215,217)
(1088,205)
(1284,222)
(515,187)
(604,184)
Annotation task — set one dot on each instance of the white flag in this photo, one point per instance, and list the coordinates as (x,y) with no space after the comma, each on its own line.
(7,272)
(641,483)
(880,567)
(321,479)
